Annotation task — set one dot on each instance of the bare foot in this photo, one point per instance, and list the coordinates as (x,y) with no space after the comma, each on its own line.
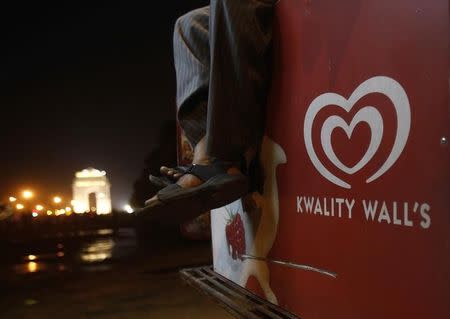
(170,172)
(185,181)
(189,180)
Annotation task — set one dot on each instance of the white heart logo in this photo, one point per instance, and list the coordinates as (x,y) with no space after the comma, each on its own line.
(370,115)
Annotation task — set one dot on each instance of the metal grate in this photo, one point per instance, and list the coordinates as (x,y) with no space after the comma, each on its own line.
(237,300)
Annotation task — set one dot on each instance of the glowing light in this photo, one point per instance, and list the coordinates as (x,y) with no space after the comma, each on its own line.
(127,208)
(91,181)
(57,199)
(68,209)
(27,194)
(98,251)
(34,214)
(95,257)
(49,213)
(78,208)
(90,184)
(103,206)
(105,231)
(90,172)
(32,266)
(60,254)
(31,257)
(12,199)
(39,207)
(59,212)
(20,206)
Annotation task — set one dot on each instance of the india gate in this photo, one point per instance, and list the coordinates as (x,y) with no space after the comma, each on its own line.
(91,192)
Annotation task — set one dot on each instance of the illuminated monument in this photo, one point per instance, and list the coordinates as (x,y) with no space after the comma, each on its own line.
(91,192)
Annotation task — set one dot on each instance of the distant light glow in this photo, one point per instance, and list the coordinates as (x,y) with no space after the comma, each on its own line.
(12,199)
(92,257)
(49,213)
(27,194)
(127,208)
(32,266)
(20,206)
(68,209)
(34,214)
(78,208)
(31,257)
(90,172)
(91,181)
(60,254)
(98,251)
(57,199)
(103,206)
(59,212)
(105,231)
(39,207)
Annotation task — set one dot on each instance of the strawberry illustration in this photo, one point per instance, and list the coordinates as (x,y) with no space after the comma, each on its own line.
(235,234)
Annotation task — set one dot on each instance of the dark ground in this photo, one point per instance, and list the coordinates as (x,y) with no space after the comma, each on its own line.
(103,276)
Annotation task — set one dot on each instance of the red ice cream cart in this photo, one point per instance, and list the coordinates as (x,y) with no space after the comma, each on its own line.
(354,219)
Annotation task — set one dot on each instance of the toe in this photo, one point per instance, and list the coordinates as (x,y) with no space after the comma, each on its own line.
(177,175)
(163,168)
(151,200)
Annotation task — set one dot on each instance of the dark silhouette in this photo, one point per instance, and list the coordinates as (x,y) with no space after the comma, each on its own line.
(165,153)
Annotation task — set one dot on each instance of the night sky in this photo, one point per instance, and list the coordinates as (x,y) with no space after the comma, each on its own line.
(83,87)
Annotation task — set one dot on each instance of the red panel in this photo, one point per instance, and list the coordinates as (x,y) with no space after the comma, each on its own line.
(396,266)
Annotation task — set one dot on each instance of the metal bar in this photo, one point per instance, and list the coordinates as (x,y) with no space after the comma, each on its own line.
(239,305)
(260,306)
(235,286)
(237,300)
(292,265)
(230,304)
(252,296)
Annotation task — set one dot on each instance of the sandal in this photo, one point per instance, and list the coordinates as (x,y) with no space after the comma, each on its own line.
(162,181)
(176,204)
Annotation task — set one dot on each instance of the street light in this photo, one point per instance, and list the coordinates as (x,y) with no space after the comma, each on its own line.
(127,208)
(27,194)
(57,199)
(20,206)
(39,207)
(12,199)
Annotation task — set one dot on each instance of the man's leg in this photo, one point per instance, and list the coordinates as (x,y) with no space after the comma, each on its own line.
(239,43)
(232,81)
(240,34)
(191,55)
